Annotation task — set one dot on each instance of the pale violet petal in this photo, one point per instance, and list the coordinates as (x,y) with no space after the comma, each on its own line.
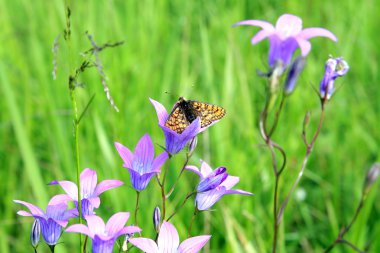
(145,244)
(32,208)
(106,185)
(162,114)
(79,228)
(69,187)
(168,239)
(125,154)
(288,25)
(309,33)
(88,181)
(260,23)
(193,244)
(116,222)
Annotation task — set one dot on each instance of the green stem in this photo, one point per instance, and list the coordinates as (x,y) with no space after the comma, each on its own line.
(137,207)
(179,176)
(192,221)
(183,203)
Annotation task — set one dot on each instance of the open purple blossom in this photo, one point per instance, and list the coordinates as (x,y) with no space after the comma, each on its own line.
(168,242)
(104,235)
(51,221)
(175,142)
(286,37)
(335,67)
(90,191)
(213,185)
(141,165)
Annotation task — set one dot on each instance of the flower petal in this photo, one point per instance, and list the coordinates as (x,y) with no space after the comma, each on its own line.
(116,222)
(309,33)
(238,192)
(130,230)
(79,228)
(288,25)
(230,182)
(168,239)
(106,185)
(260,36)
(194,169)
(69,187)
(88,181)
(304,45)
(205,200)
(125,154)
(193,244)
(145,244)
(205,169)
(140,182)
(260,23)
(95,225)
(60,198)
(144,154)
(159,161)
(32,208)
(162,114)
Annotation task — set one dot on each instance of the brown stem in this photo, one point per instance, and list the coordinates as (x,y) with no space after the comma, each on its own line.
(183,203)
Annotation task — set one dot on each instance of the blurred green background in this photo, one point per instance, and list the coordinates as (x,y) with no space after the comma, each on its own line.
(189,48)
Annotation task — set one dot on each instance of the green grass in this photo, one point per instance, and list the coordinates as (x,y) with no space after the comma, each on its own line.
(189,48)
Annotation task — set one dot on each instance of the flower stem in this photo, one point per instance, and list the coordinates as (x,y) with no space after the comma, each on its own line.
(183,203)
(344,230)
(179,176)
(137,207)
(71,84)
(196,211)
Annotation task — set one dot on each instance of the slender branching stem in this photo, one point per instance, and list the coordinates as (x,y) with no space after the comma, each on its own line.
(277,116)
(183,203)
(344,230)
(179,175)
(162,186)
(137,207)
(196,211)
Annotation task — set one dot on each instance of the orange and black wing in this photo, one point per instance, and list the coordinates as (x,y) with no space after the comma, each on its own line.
(177,120)
(207,112)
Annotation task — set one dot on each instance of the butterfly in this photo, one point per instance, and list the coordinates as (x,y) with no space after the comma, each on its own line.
(186,111)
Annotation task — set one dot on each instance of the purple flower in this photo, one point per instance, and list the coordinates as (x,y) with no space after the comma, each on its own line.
(335,67)
(90,191)
(175,142)
(286,37)
(52,221)
(294,71)
(168,242)
(213,185)
(104,235)
(142,165)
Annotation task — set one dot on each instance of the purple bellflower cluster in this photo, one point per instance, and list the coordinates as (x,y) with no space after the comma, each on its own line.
(142,164)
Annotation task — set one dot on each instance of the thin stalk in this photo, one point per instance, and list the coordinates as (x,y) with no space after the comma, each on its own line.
(179,175)
(75,109)
(309,148)
(196,211)
(342,233)
(162,186)
(137,207)
(183,203)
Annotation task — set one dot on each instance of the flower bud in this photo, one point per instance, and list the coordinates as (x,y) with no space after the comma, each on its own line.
(293,74)
(371,177)
(335,67)
(157,219)
(193,145)
(35,233)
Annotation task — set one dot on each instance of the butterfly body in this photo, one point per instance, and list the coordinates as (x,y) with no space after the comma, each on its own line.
(186,111)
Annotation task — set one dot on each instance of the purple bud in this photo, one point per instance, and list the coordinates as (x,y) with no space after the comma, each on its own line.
(293,74)
(372,176)
(193,145)
(157,219)
(35,233)
(335,67)
(213,180)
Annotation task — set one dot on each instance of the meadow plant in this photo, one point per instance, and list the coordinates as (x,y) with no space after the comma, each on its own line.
(142,164)
(285,37)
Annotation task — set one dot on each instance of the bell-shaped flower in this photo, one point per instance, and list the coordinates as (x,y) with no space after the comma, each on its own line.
(168,242)
(104,235)
(213,185)
(141,165)
(175,142)
(89,190)
(335,67)
(51,221)
(286,37)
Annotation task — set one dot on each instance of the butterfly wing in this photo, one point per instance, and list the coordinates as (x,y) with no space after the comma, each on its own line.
(177,120)
(207,112)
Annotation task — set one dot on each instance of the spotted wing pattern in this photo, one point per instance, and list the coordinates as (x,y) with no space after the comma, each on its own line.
(177,120)
(207,112)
